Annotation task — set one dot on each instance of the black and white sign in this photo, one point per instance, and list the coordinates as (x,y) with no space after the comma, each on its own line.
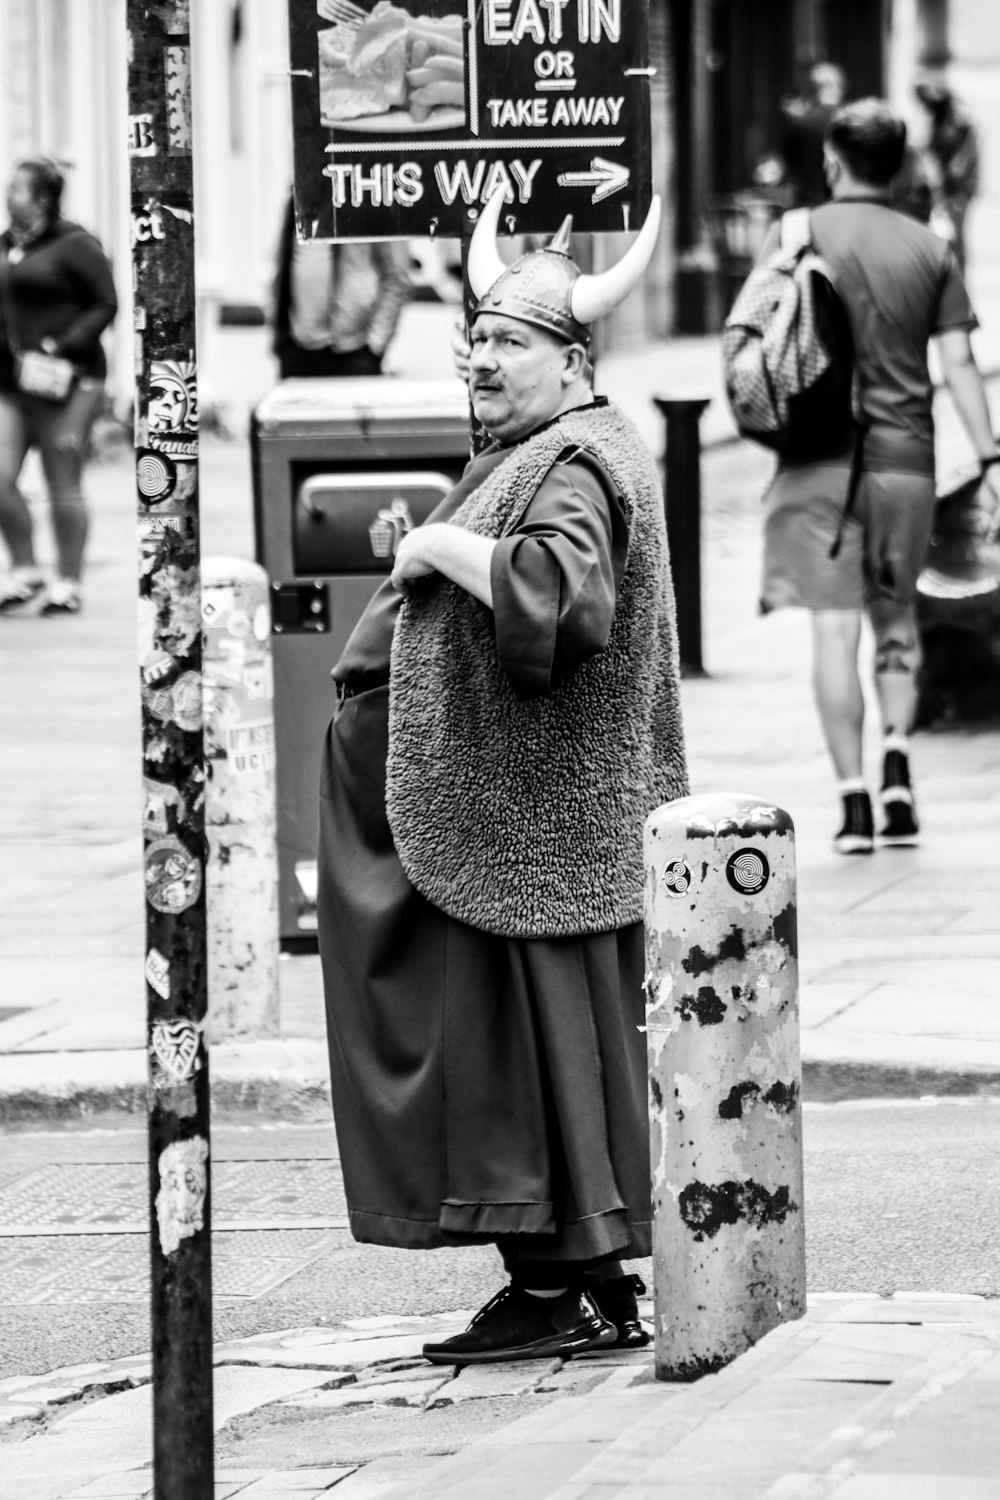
(406,118)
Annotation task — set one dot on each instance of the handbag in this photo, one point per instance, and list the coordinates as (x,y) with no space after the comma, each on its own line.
(46,376)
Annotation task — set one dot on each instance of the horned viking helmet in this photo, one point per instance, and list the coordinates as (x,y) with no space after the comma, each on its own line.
(545,287)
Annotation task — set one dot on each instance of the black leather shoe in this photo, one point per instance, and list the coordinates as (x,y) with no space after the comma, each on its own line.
(616,1300)
(515,1325)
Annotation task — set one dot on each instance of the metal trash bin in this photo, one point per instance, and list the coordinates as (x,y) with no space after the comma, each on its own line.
(958,613)
(340,469)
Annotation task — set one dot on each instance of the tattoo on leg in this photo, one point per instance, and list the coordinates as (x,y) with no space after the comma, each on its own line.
(894,656)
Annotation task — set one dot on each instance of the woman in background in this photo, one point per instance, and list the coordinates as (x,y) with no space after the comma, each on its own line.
(57,295)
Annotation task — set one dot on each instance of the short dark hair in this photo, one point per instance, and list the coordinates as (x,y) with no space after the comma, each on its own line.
(870,138)
(47,181)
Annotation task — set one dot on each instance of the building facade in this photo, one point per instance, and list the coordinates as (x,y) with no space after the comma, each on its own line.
(723,68)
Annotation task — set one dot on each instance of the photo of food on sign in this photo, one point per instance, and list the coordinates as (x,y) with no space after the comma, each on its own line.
(383,70)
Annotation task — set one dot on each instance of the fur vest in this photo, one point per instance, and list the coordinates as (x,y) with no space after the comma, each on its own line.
(519,817)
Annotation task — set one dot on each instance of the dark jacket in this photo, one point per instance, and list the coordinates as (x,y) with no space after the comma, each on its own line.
(61,289)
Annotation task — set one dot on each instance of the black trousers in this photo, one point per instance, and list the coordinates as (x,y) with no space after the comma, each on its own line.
(543,1274)
(295,362)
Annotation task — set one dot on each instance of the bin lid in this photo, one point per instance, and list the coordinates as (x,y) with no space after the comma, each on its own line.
(317,405)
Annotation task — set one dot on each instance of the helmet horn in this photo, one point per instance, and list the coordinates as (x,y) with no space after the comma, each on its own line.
(483,264)
(592,296)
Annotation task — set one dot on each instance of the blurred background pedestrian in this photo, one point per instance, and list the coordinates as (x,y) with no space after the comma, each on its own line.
(910,189)
(950,158)
(57,296)
(796,165)
(334,308)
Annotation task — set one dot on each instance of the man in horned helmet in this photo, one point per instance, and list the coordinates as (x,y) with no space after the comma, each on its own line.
(509,717)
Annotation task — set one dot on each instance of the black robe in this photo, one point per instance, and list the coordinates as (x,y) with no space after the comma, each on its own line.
(484,1088)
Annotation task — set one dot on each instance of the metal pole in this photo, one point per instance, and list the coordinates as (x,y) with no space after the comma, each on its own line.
(724,1080)
(479,438)
(682,500)
(240,803)
(166,437)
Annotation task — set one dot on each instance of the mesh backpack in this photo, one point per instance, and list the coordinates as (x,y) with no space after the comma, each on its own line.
(788,356)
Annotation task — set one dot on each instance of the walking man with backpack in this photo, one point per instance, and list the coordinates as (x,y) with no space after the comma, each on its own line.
(845,532)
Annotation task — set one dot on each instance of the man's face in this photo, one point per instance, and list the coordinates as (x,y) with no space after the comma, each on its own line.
(518,375)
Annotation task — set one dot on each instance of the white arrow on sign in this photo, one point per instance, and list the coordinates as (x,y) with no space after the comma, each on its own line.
(605,177)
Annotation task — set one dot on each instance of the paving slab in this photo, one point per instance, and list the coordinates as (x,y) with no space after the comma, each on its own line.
(297,1482)
(835,1396)
(384,1475)
(43,1487)
(415,1393)
(479,1382)
(70,925)
(902,1486)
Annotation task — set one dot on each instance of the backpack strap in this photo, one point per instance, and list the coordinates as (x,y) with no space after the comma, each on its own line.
(795,230)
(795,235)
(853,483)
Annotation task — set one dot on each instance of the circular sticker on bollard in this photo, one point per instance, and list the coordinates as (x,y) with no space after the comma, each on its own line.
(677,877)
(748,871)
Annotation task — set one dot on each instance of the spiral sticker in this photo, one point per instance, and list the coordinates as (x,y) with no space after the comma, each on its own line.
(748,871)
(155,477)
(677,877)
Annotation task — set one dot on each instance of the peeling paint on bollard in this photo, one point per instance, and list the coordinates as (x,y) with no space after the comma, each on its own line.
(724,1079)
(240,811)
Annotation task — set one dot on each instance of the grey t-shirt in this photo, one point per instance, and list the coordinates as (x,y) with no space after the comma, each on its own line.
(901,285)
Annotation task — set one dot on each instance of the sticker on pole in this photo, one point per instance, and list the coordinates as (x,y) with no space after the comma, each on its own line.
(180,1203)
(172,876)
(174,1045)
(677,877)
(748,871)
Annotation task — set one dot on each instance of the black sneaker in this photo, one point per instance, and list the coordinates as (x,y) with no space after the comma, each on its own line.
(856,834)
(901,824)
(616,1301)
(515,1325)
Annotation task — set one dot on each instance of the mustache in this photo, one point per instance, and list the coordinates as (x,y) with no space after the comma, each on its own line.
(486,383)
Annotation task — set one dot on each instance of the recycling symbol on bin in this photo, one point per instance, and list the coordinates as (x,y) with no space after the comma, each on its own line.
(389,528)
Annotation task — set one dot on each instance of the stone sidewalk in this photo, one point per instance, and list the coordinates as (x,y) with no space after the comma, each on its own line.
(863,1399)
(899,954)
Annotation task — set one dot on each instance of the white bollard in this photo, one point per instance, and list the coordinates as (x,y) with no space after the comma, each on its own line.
(724,1078)
(242,872)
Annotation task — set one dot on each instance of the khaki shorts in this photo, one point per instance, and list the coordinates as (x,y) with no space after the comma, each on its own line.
(882,549)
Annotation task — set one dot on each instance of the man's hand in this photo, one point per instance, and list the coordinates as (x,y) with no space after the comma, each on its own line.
(442,548)
(412,557)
